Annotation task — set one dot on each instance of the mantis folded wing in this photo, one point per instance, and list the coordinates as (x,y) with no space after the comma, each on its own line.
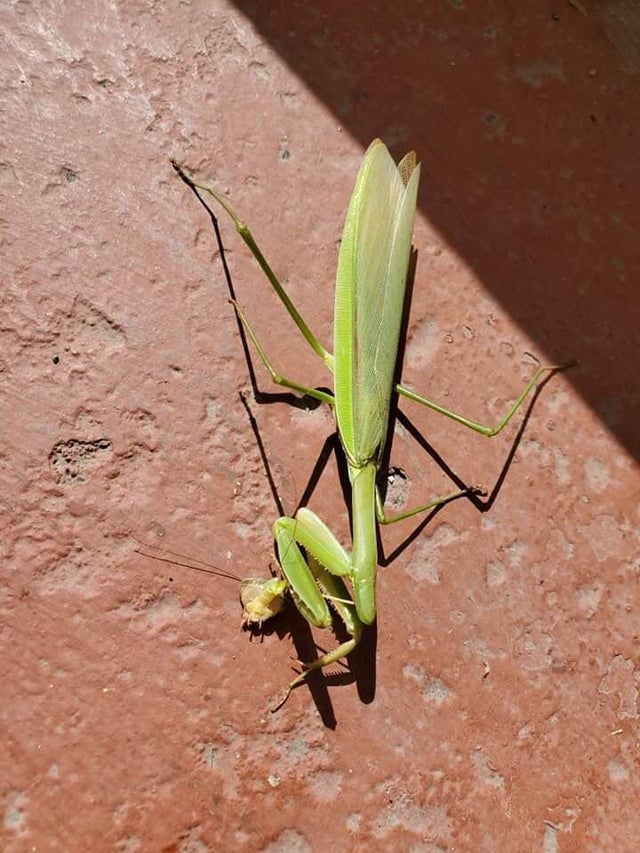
(369,302)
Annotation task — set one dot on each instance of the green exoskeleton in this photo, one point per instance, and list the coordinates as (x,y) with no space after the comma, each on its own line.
(369,303)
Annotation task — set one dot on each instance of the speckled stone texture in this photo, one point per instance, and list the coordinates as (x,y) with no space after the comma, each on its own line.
(496,707)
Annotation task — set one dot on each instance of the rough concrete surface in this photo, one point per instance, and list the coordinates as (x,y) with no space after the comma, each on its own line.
(496,706)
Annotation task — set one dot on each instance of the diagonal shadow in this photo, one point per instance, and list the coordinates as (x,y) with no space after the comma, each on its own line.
(529,163)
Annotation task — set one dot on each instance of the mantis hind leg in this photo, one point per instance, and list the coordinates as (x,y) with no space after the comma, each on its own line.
(474,425)
(255,250)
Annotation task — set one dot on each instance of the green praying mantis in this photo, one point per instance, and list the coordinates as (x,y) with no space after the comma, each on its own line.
(369,302)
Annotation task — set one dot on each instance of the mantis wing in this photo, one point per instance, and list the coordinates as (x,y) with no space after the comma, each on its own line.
(370,287)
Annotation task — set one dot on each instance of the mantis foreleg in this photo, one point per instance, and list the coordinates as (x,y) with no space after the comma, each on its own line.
(314,581)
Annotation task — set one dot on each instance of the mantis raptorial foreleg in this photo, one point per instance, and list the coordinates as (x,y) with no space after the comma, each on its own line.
(314,581)
(310,585)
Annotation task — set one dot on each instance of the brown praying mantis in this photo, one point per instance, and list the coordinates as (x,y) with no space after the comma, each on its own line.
(369,302)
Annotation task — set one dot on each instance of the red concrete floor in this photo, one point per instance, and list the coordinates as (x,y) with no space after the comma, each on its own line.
(496,708)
